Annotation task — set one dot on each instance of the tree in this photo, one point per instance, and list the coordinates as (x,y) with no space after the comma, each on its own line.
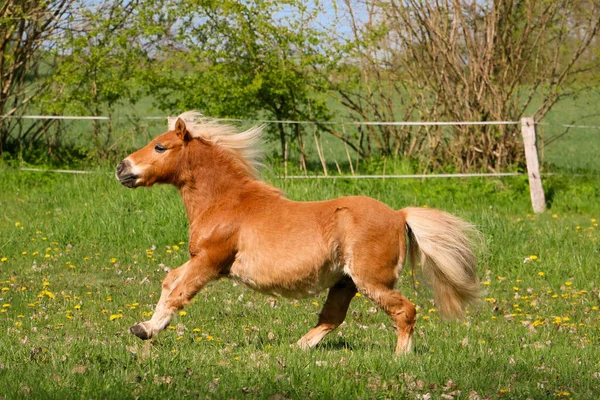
(100,62)
(28,31)
(245,60)
(470,60)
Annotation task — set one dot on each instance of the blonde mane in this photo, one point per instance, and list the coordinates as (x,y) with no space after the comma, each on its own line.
(243,144)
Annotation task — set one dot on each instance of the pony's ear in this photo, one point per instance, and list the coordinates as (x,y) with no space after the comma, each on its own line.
(181,131)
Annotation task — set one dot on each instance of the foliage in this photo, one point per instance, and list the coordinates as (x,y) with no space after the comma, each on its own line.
(299,60)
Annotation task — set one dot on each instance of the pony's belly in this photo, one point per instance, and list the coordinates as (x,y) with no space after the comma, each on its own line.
(287,282)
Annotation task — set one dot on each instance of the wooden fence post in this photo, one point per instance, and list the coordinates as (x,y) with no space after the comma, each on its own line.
(538,200)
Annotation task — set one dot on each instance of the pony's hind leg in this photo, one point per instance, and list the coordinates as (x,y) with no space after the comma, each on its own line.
(333,313)
(398,307)
(375,276)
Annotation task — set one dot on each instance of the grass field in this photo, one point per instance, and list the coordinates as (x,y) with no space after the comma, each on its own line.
(82,259)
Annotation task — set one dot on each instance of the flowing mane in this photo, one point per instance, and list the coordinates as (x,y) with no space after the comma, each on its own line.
(242,144)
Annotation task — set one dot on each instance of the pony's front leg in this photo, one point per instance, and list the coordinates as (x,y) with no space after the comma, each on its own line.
(178,288)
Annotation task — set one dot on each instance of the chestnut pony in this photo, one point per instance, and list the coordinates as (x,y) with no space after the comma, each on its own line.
(247,230)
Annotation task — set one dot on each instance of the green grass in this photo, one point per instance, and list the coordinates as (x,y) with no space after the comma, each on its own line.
(83,257)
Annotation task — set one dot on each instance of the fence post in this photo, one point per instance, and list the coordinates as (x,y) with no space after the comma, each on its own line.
(538,200)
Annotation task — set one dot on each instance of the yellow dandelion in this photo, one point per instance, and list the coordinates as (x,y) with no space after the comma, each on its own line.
(17,224)
(533,257)
(568,283)
(196,330)
(486,283)
(358,295)
(113,260)
(18,324)
(3,259)
(115,316)
(5,289)
(77,307)
(179,337)
(6,305)
(175,247)
(24,253)
(199,338)
(314,303)
(541,273)
(20,316)
(182,313)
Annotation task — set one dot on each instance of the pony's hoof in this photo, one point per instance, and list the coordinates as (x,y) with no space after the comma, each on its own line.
(140,331)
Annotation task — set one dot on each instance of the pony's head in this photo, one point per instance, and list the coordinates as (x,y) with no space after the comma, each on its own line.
(163,160)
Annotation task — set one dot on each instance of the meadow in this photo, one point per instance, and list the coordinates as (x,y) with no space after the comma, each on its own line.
(82,258)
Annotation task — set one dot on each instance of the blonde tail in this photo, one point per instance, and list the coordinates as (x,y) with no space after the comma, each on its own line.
(444,244)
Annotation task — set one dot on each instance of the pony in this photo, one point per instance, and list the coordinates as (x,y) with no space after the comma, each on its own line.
(245,229)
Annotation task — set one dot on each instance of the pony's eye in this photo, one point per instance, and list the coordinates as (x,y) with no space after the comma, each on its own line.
(159,148)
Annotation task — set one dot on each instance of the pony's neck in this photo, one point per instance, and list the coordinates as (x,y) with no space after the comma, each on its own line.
(210,178)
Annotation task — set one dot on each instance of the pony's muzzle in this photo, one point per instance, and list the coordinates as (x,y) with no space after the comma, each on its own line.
(124,174)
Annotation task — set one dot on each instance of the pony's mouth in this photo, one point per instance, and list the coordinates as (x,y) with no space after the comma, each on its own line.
(124,174)
(128,180)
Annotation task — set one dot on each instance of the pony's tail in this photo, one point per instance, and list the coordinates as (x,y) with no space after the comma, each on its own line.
(442,243)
